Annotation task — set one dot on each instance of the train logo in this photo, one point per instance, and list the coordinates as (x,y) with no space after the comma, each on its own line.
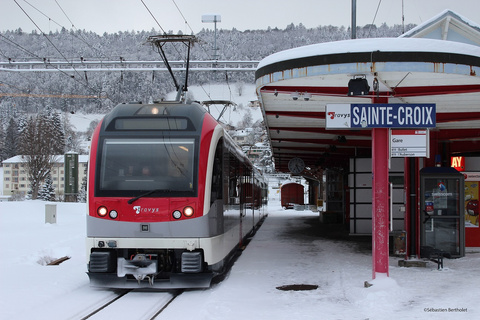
(139,209)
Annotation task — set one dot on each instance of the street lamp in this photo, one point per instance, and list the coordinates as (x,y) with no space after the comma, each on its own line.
(213,18)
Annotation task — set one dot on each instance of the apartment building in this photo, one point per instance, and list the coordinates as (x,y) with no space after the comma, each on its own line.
(15,175)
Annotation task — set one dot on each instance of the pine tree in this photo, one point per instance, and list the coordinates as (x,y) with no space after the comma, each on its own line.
(11,137)
(54,131)
(82,193)
(2,142)
(47,192)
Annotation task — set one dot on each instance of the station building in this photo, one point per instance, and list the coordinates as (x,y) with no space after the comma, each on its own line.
(373,186)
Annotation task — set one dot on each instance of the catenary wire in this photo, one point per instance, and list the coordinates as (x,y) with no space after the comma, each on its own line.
(46,37)
(79,37)
(374,17)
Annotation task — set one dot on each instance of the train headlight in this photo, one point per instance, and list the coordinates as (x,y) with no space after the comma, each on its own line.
(102,211)
(176,214)
(188,211)
(113,214)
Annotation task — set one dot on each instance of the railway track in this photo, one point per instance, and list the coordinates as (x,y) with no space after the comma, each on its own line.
(133,304)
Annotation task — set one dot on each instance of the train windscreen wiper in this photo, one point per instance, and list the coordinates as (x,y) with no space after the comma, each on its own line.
(146,194)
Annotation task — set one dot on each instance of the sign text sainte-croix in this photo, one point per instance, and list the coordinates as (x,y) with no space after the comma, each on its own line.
(378,115)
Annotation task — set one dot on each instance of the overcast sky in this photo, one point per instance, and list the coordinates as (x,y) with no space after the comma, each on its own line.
(125,15)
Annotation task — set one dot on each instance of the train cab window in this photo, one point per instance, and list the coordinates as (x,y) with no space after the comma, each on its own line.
(131,165)
(151,124)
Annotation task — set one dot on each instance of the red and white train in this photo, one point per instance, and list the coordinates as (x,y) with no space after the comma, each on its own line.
(170,197)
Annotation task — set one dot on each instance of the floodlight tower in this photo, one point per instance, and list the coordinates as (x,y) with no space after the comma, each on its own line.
(213,18)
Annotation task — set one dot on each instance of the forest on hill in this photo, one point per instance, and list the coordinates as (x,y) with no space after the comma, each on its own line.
(117,87)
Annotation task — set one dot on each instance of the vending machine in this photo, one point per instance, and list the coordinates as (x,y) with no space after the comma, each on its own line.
(442,220)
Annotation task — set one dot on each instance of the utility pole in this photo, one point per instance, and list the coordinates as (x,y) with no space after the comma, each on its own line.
(354,19)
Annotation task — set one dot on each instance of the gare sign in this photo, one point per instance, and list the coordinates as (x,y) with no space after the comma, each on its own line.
(409,143)
(380,115)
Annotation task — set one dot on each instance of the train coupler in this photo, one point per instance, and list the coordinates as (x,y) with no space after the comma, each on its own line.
(140,266)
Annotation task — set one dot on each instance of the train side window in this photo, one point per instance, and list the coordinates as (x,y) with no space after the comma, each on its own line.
(217,189)
(233,180)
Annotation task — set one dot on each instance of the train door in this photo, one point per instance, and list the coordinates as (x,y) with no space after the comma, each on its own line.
(234,210)
(216,220)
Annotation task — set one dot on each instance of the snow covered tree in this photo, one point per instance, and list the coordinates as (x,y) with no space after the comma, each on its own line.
(21,124)
(91,129)
(58,133)
(82,193)
(54,130)
(11,137)
(2,141)
(47,192)
(72,138)
(247,120)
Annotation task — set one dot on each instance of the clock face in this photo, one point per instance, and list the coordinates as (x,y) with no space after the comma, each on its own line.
(296,165)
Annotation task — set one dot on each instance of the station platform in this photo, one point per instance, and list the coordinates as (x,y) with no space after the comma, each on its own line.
(297,268)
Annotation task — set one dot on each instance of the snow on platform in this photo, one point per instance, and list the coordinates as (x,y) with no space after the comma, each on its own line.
(292,247)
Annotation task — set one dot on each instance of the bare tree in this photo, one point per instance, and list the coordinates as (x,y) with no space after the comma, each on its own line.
(36,145)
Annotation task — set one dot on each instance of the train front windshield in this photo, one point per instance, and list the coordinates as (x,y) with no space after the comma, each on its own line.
(129,167)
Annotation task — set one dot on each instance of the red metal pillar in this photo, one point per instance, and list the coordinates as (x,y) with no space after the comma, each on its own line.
(380,201)
(417,201)
(412,214)
(380,198)
(407,191)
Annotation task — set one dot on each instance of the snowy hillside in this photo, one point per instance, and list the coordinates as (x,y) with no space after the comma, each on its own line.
(232,115)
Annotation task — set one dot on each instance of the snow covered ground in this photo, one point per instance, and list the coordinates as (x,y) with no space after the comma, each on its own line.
(289,248)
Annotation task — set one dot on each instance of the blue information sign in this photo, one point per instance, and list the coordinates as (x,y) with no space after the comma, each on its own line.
(380,115)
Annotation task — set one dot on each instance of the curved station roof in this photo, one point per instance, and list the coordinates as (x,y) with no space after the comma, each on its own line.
(294,87)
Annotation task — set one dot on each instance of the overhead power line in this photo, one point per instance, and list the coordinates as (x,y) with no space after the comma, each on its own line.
(64,13)
(184,19)
(101,54)
(153,17)
(85,84)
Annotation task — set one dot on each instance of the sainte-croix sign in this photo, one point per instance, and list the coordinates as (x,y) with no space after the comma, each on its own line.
(380,115)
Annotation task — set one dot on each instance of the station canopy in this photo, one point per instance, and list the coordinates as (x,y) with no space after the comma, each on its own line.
(294,87)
